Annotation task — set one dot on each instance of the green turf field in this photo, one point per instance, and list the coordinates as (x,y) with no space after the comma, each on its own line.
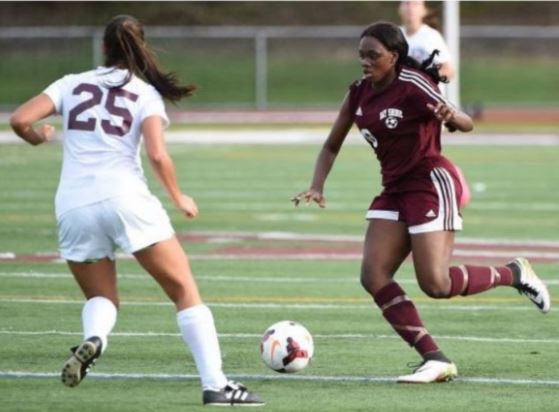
(505,350)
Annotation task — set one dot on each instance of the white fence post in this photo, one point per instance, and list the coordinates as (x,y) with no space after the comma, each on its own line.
(261,70)
(452,36)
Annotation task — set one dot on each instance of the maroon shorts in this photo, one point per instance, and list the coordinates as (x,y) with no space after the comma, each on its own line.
(427,201)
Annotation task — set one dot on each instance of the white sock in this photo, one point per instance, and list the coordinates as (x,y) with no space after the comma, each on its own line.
(198,332)
(98,319)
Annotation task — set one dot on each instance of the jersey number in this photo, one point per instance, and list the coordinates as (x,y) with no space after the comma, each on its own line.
(372,140)
(110,104)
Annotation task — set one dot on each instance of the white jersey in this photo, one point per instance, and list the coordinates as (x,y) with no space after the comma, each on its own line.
(424,41)
(102,135)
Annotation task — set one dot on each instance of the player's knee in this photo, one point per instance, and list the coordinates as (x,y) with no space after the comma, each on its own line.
(373,280)
(436,289)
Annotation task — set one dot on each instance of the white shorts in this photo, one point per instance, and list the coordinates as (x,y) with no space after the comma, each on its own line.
(131,223)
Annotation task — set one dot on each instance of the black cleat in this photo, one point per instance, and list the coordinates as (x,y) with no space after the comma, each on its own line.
(83,358)
(233,394)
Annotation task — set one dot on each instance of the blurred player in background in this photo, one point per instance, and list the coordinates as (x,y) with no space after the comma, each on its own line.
(398,108)
(420,28)
(422,38)
(103,201)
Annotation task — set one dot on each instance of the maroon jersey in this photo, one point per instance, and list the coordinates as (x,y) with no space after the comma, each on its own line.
(396,122)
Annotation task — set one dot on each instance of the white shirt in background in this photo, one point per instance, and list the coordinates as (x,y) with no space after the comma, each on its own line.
(424,41)
(102,135)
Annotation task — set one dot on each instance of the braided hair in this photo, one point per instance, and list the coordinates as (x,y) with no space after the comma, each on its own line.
(393,40)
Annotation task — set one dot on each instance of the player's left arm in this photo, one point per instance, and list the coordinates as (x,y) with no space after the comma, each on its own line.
(30,112)
(452,116)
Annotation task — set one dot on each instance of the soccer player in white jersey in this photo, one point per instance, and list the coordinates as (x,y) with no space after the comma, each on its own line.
(423,39)
(103,201)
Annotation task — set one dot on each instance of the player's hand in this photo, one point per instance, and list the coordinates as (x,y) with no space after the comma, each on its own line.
(188,206)
(309,196)
(444,113)
(46,132)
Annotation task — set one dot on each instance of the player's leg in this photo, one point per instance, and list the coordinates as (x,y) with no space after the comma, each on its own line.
(82,240)
(98,283)
(432,212)
(167,262)
(386,246)
(432,253)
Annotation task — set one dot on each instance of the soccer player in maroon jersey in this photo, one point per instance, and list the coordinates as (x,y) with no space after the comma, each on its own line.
(399,110)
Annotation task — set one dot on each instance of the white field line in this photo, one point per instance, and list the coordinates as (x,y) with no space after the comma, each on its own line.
(252,336)
(360,238)
(282,136)
(505,254)
(312,257)
(282,306)
(264,256)
(277,377)
(224,278)
(200,278)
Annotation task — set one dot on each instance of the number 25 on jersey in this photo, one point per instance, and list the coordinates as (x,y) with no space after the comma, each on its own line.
(95,98)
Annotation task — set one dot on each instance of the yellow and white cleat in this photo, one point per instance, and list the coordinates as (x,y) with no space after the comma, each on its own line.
(431,371)
(531,285)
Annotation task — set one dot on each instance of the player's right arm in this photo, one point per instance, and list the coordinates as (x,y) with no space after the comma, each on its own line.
(35,109)
(163,166)
(327,156)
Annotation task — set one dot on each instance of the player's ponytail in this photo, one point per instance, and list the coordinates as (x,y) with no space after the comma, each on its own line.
(393,39)
(126,48)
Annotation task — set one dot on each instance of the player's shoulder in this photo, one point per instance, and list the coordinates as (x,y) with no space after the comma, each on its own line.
(143,89)
(414,78)
(427,30)
(360,84)
(417,82)
(431,35)
(73,78)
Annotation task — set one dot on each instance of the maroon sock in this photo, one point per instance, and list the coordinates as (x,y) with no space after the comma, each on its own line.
(401,313)
(468,280)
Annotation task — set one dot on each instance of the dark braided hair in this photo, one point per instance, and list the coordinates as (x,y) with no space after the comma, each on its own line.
(393,40)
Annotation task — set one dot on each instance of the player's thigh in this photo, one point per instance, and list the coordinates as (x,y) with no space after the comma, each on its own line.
(137,221)
(432,253)
(168,264)
(387,244)
(96,278)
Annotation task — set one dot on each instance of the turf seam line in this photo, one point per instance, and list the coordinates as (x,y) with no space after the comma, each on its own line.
(310,378)
(258,336)
(306,306)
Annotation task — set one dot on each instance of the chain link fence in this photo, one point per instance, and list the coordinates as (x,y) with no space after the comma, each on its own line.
(283,67)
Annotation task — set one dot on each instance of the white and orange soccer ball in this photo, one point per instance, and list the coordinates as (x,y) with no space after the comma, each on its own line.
(287,347)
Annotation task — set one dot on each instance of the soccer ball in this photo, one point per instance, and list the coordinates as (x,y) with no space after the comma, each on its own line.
(286,347)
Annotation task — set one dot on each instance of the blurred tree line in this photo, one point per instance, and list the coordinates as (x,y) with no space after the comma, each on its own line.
(97,13)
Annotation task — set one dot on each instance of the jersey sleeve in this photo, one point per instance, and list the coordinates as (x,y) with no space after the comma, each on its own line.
(56,92)
(353,96)
(423,92)
(154,106)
